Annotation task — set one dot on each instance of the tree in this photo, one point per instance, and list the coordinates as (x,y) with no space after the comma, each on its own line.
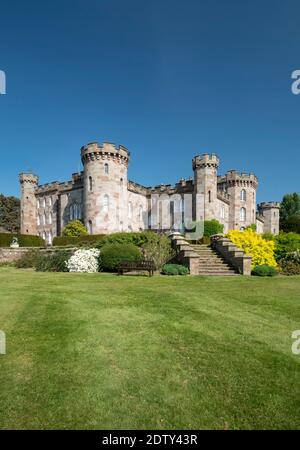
(10,213)
(290,212)
(75,228)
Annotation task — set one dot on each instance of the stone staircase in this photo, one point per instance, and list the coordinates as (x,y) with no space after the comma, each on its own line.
(210,262)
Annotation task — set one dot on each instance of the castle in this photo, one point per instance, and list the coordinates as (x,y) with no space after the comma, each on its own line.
(106,201)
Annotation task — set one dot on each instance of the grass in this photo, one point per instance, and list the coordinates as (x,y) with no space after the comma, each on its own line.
(100,351)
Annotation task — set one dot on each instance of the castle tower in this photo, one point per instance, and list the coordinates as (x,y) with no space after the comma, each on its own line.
(242,190)
(105,187)
(270,212)
(205,169)
(29,183)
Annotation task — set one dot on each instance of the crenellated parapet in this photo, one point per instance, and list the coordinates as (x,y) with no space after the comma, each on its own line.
(268,205)
(234,178)
(206,160)
(106,151)
(29,178)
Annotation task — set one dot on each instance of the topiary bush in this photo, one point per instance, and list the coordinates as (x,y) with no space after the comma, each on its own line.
(212,227)
(75,228)
(136,238)
(53,262)
(79,241)
(264,271)
(253,244)
(24,240)
(174,269)
(113,254)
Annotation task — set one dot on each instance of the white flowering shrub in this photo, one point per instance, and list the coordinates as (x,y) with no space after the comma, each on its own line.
(84,260)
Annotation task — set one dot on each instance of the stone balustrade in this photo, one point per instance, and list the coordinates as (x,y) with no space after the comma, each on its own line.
(234,255)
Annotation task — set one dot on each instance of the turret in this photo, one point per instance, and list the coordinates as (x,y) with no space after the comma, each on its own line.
(270,212)
(29,183)
(241,188)
(205,169)
(105,187)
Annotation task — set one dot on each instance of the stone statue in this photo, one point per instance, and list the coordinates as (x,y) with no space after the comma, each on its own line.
(14,243)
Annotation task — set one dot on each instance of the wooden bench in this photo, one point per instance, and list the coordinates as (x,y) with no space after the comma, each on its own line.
(143,265)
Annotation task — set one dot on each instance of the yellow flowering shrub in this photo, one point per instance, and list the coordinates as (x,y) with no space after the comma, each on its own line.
(253,244)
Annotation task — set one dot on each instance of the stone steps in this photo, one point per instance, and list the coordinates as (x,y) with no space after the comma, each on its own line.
(211,263)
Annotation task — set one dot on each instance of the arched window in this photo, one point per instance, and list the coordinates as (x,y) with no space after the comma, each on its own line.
(38,220)
(38,203)
(130,210)
(90,227)
(222,212)
(90,184)
(50,218)
(121,181)
(243,195)
(75,211)
(43,202)
(209,196)
(50,201)
(242,214)
(44,219)
(106,203)
(49,238)
(106,168)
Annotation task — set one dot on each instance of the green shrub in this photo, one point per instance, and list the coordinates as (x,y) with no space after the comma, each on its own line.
(136,238)
(251,227)
(79,241)
(290,264)
(268,236)
(174,269)
(24,240)
(113,254)
(28,259)
(158,249)
(212,227)
(53,262)
(264,271)
(286,243)
(75,228)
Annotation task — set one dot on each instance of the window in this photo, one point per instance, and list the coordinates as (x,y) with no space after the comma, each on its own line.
(90,184)
(209,196)
(50,201)
(129,210)
(44,219)
(75,211)
(44,235)
(121,181)
(38,203)
(242,214)
(243,195)
(222,212)
(90,227)
(106,203)
(50,218)
(43,202)
(106,168)
(38,221)
(49,238)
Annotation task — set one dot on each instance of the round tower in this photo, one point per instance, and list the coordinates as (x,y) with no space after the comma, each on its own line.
(241,188)
(205,169)
(105,187)
(270,212)
(29,183)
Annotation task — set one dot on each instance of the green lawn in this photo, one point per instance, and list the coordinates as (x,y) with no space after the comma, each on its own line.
(101,351)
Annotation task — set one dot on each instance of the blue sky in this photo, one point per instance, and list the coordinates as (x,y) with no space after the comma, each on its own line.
(168,79)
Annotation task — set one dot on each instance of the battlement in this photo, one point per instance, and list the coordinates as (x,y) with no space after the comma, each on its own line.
(95,151)
(235,178)
(268,205)
(206,160)
(28,178)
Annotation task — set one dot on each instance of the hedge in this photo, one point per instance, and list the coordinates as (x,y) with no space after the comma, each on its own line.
(61,241)
(24,240)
